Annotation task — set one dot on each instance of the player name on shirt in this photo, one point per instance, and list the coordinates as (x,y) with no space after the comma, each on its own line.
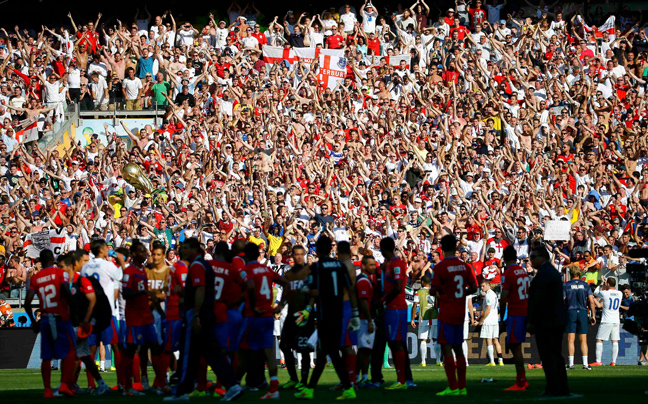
(456,268)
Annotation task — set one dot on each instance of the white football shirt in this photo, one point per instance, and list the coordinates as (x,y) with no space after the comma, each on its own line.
(611,303)
(107,274)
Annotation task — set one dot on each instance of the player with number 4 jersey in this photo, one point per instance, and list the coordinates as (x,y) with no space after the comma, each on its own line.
(453,280)
(515,293)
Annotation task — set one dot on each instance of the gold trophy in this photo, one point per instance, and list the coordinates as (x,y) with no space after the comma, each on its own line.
(133,174)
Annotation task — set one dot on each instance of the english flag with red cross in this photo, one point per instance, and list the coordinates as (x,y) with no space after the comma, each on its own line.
(29,131)
(396,60)
(277,54)
(308,55)
(608,26)
(332,70)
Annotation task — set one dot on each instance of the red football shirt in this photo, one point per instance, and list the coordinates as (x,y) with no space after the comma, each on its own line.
(396,270)
(223,280)
(138,312)
(334,41)
(517,281)
(177,277)
(364,289)
(47,285)
(498,276)
(234,289)
(451,276)
(263,278)
(86,285)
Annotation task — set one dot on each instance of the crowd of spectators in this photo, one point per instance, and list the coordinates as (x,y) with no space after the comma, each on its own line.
(503,120)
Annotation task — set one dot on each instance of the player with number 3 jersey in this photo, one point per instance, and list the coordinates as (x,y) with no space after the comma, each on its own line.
(453,280)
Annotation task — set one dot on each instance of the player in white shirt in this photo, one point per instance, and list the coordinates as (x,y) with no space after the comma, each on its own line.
(490,324)
(109,276)
(610,321)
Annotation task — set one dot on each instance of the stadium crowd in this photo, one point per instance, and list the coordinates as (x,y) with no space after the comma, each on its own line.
(491,122)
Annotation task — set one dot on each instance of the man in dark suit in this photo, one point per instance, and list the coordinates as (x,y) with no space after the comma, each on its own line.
(547,319)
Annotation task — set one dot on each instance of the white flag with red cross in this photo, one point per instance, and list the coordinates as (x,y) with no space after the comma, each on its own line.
(308,55)
(396,60)
(28,131)
(277,54)
(608,26)
(332,70)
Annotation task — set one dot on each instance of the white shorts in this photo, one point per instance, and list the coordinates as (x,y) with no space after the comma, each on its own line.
(609,331)
(365,340)
(424,328)
(489,331)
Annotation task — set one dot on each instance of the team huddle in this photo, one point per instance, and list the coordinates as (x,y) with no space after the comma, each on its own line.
(221,313)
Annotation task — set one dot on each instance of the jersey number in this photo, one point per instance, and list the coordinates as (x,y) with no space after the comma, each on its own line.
(265,288)
(523,289)
(48,292)
(218,287)
(614,304)
(141,286)
(460,286)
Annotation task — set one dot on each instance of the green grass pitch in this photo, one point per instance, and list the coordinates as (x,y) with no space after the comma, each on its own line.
(601,385)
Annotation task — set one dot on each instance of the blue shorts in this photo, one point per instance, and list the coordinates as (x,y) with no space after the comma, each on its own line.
(347,338)
(577,322)
(65,340)
(172,332)
(396,324)
(235,322)
(452,334)
(108,336)
(158,323)
(221,332)
(258,333)
(516,328)
(143,334)
(122,332)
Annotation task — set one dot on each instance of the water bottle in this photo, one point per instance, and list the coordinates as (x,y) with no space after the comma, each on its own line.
(487,380)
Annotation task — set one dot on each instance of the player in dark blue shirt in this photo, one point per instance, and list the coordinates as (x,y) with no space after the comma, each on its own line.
(578,297)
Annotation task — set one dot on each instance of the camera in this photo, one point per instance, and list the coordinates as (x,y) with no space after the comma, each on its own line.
(639,309)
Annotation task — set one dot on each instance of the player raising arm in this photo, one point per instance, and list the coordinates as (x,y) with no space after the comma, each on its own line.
(453,280)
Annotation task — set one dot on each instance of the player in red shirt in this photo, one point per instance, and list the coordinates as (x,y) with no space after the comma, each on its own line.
(395,275)
(140,328)
(51,284)
(234,297)
(453,280)
(174,313)
(515,292)
(258,325)
(88,321)
(366,334)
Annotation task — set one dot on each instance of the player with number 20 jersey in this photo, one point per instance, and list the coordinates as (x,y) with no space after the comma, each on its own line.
(516,282)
